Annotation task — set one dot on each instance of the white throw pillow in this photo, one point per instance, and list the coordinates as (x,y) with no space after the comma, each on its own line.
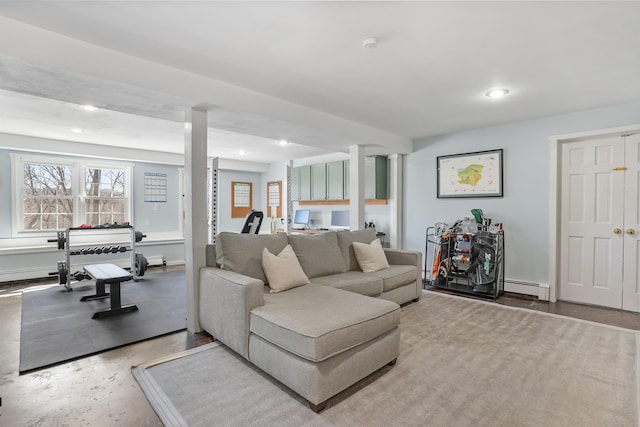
(283,271)
(370,256)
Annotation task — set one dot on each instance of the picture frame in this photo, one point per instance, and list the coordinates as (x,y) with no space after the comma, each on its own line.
(476,174)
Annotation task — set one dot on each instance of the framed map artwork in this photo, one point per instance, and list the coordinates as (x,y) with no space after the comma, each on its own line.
(476,174)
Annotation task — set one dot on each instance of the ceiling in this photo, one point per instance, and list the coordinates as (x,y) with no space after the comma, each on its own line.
(428,75)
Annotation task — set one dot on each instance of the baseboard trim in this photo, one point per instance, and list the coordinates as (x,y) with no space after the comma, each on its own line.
(43,272)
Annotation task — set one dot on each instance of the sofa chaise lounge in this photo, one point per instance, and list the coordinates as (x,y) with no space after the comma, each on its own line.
(319,338)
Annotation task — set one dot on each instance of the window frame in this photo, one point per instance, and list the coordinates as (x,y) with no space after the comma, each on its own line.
(79,197)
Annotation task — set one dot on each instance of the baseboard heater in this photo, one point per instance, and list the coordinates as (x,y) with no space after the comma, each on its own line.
(521,287)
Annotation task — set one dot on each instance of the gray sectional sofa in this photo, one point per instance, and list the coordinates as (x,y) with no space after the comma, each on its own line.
(319,338)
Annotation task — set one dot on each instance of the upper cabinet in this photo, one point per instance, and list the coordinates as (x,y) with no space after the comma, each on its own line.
(375,177)
(319,182)
(335,180)
(305,183)
(330,181)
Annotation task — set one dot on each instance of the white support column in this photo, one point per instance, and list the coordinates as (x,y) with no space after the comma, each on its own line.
(195,168)
(396,223)
(356,187)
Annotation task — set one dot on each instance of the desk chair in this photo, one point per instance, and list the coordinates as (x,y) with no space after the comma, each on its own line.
(252,222)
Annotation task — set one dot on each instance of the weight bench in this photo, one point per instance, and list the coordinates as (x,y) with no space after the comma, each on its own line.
(112,275)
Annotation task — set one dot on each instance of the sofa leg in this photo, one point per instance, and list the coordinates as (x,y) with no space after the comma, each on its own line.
(319,407)
(393,362)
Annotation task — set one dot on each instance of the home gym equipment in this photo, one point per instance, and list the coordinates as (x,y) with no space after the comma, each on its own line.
(111,275)
(138,263)
(466,257)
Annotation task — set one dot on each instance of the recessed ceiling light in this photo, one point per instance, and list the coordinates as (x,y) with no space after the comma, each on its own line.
(370,43)
(283,142)
(88,107)
(76,130)
(242,152)
(497,92)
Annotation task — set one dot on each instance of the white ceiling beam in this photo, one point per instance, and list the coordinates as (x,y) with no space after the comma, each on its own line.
(60,52)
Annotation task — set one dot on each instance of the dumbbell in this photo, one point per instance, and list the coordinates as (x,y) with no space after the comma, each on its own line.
(122,248)
(78,275)
(139,236)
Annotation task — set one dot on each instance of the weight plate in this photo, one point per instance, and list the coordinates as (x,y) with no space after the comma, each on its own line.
(62,272)
(141,264)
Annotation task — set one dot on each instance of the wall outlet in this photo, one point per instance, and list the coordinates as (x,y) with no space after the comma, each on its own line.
(147,221)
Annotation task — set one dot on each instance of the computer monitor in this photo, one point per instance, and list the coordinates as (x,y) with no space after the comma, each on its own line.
(301,218)
(340,220)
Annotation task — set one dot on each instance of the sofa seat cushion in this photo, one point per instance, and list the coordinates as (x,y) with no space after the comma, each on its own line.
(353,281)
(395,276)
(317,322)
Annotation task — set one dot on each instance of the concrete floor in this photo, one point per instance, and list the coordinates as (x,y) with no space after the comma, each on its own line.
(94,391)
(100,390)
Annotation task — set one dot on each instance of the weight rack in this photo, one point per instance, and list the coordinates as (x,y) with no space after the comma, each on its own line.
(138,262)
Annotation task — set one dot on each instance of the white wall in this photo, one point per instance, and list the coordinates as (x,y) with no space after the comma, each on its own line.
(29,256)
(226,223)
(524,209)
(277,172)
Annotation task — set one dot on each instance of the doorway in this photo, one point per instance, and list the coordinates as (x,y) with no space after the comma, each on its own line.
(600,220)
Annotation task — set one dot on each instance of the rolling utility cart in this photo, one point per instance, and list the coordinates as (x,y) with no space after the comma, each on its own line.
(138,262)
(465,262)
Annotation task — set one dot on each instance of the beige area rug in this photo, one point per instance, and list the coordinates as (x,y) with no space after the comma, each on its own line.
(462,363)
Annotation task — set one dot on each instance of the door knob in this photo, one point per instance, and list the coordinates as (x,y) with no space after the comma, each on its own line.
(631,231)
(617,230)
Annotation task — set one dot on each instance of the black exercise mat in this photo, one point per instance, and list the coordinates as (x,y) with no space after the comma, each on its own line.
(57,327)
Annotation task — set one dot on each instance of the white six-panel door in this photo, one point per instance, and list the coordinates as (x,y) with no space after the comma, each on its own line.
(600,220)
(631,273)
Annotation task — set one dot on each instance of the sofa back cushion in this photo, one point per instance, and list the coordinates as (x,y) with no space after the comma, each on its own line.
(242,252)
(345,241)
(319,254)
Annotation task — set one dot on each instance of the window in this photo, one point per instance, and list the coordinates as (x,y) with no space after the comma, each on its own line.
(55,193)
(105,200)
(48,197)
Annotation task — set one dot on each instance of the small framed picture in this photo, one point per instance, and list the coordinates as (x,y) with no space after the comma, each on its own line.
(476,174)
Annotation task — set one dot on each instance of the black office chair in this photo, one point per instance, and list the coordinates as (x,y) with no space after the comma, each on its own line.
(252,222)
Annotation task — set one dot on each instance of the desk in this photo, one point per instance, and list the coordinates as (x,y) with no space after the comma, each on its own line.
(112,275)
(311,232)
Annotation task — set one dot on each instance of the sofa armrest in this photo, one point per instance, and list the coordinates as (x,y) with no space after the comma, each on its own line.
(226,299)
(404,257)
